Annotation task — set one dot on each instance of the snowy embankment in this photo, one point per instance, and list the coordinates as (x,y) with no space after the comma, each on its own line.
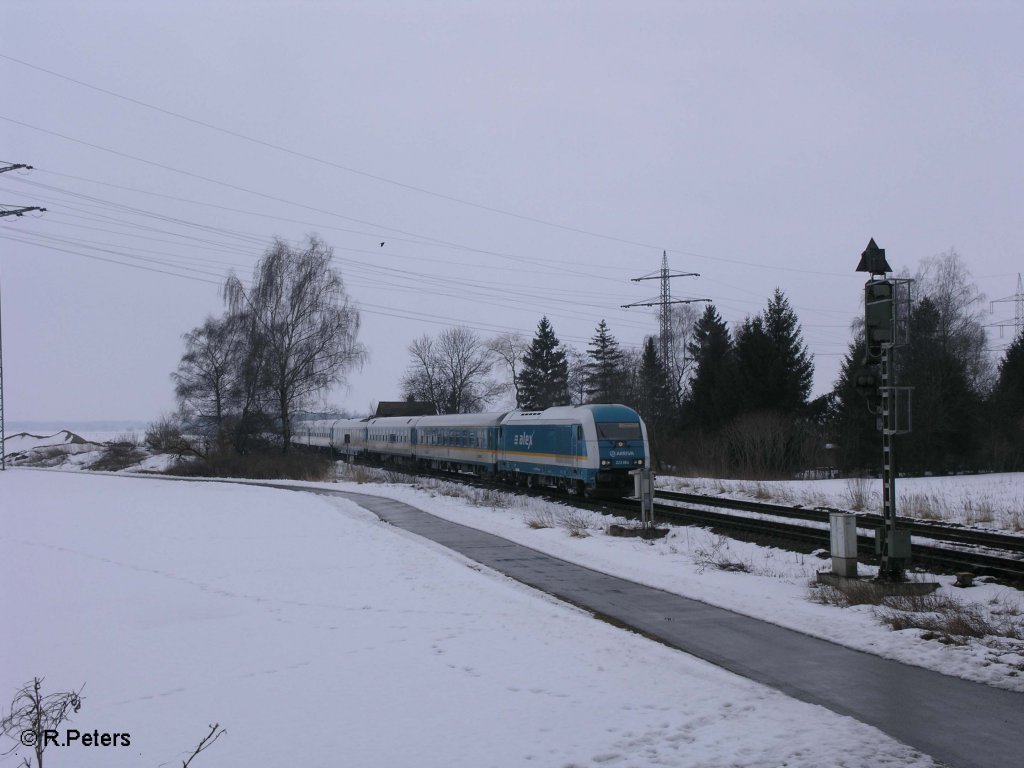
(318,635)
(775,586)
(993,501)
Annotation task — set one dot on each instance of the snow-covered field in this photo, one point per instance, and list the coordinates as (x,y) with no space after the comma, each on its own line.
(317,635)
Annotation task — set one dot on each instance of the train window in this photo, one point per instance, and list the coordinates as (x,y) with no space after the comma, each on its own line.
(579,432)
(618,430)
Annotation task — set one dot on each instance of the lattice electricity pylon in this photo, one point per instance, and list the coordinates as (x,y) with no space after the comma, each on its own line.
(664,302)
(1018,315)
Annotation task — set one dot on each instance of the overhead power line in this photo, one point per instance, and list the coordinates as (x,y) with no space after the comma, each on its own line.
(394,182)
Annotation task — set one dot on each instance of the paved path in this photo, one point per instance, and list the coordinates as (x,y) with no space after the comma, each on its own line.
(963,724)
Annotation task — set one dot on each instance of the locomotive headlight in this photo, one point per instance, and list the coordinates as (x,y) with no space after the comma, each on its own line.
(639,462)
(605,463)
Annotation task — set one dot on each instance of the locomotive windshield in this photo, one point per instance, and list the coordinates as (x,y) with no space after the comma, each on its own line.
(619,430)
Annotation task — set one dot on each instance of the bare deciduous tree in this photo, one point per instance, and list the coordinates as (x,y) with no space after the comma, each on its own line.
(946,281)
(206,376)
(452,371)
(510,348)
(577,365)
(299,313)
(679,368)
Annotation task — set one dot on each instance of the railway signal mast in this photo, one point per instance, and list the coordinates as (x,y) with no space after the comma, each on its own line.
(886,327)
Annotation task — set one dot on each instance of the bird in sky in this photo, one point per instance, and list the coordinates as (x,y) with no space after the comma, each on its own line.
(382,245)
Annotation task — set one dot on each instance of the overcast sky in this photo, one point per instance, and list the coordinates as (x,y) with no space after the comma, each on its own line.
(516,158)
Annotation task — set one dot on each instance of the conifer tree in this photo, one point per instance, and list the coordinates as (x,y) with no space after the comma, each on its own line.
(604,371)
(710,403)
(1006,406)
(654,398)
(851,421)
(544,380)
(774,368)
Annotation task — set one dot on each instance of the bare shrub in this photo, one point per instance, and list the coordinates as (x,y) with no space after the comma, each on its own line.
(858,491)
(826,594)
(950,620)
(360,473)
(128,438)
(980,511)
(852,593)
(763,445)
(32,714)
(119,454)
(269,465)
(541,518)
(715,555)
(926,506)
(576,522)
(488,497)
(48,456)
(164,435)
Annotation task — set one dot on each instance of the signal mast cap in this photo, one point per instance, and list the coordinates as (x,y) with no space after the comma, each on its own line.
(873,260)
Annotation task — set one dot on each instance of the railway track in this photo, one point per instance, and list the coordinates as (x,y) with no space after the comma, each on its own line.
(937,531)
(950,548)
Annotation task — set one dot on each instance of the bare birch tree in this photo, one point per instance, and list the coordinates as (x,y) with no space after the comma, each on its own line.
(509,349)
(298,313)
(206,377)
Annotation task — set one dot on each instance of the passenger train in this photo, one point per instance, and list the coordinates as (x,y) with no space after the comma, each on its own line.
(586,449)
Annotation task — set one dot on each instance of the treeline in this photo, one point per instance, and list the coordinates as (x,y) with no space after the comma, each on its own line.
(736,401)
(727,401)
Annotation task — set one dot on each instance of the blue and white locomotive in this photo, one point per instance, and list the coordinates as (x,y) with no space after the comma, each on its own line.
(587,449)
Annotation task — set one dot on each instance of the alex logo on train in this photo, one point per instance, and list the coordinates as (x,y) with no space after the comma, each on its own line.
(524,439)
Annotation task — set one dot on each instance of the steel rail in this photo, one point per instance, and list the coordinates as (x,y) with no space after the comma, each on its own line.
(939,531)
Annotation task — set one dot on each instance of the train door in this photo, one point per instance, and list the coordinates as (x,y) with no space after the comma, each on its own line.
(576,443)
